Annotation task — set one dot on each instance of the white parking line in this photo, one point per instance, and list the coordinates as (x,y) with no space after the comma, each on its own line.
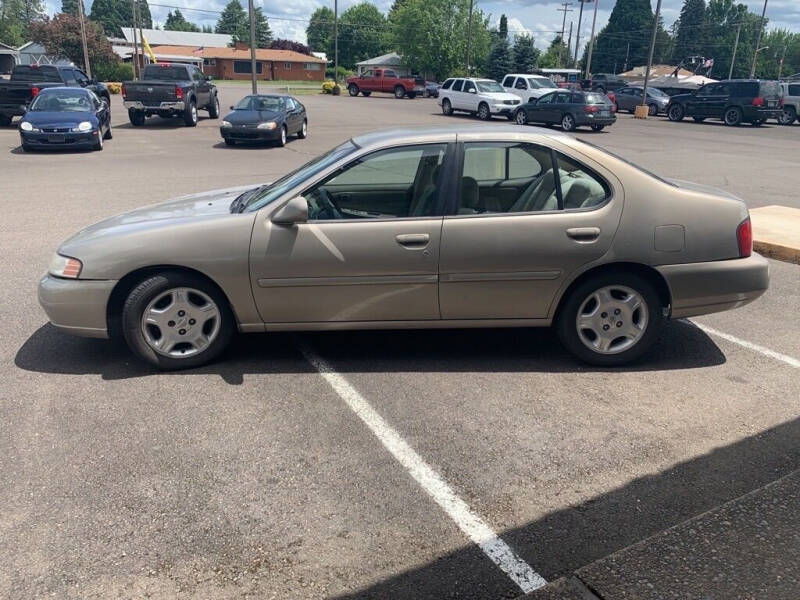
(471,524)
(789,360)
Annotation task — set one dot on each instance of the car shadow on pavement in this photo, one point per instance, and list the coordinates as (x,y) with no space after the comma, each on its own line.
(523,350)
(565,540)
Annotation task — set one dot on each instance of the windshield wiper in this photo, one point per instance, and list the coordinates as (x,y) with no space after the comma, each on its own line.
(240,202)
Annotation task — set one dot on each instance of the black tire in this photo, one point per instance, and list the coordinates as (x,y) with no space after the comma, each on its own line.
(147,291)
(675,112)
(598,127)
(213,108)
(568,122)
(136,117)
(521,117)
(484,114)
(447,108)
(190,114)
(26,148)
(281,141)
(230,142)
(399,92)
(652,110)
(352,89)
(567,328)
(788,116)
(5,120)
(108,135)
(99,145)
(699,119)
(412,95)
(732,116)
(303,133)
(366,94)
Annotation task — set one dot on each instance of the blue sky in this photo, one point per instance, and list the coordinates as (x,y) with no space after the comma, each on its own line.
(538,17)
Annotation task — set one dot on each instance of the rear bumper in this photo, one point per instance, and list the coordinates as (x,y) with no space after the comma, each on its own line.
(756,113)
(708,287)
(76,306)
(138,105)
(591,119)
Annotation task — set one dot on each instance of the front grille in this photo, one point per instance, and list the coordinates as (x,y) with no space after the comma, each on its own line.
(55,129)
(511,102)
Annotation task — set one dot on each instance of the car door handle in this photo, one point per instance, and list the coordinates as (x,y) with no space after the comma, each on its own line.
(413,240)
(584,234)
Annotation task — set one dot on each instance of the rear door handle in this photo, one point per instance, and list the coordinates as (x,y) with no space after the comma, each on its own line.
(413,240)
(584,234)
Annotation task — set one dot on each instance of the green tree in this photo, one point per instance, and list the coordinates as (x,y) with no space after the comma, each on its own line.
(626,33)
(30,11)
(144,12)
(12,29)
(61,37)
(233,21)
(556,51)
(526,54)
(500,59)
(115,14)
(69,7)
(502,30)
(177,22)
(362,34)
(263,32)
(430,35)
(690,36)
(207,29)
(319,32)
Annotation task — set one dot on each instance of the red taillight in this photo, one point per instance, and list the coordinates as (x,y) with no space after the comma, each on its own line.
(590,108)
(758,101)
(744,235)
(613,108)
(34,92)
(124,92)
(179,92)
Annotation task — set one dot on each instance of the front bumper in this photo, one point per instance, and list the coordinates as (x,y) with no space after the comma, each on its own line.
(59,140)
(708,287)
(504,109)
(138,105)
(245,134)
(76,306)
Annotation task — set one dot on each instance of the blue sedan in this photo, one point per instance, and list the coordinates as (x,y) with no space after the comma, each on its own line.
(65,118)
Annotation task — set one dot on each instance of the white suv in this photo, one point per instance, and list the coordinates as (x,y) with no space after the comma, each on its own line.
(483,97)
(528,86)
(791,102)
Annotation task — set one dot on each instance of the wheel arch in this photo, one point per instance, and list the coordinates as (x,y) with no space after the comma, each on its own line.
(645,271)
(124,286)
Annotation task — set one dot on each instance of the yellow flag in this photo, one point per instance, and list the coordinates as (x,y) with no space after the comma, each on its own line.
(148,50)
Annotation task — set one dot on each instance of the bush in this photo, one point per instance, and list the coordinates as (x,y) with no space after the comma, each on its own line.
(113,87)
(343,73)
(327,86)
(110,71)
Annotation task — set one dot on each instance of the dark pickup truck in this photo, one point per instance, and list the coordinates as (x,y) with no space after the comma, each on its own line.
(603,82)
(27,80)
(170,90)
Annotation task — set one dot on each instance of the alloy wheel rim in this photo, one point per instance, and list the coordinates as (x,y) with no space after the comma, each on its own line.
(446,106)
(194,113)
(305,128)
(566,123)
(612,319)
(674,112)
(731,117)
(786,118)
(283,135)
(180,322)
(483,112)
(521,118)
(652,110)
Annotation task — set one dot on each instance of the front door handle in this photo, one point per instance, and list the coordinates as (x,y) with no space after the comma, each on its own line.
(584,234)
(413,240)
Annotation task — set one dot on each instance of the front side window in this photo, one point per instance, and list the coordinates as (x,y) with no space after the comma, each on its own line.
(81,77)
(520,85)
(391,74)
(367,73)
(394,183)
(69,77)
(469,85)
(794,90)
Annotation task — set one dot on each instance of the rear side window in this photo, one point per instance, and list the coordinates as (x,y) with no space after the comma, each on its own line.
(794,90)
(771,89)
(35,73)
(446,85)
(595,98)
(457,85)
(746,89)
(580,187)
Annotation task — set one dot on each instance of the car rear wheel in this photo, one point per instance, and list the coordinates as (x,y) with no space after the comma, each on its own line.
(447,108)
(521,117)
(568,122)
(675,112)
(303,133)
(733,116)
(484,114)
(352,89)
(190,114)
(213,108)
(176,320)
(788,116)
(136,117)
(610,319)
(399,92)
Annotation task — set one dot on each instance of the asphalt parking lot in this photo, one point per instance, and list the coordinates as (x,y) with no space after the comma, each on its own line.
(259,476)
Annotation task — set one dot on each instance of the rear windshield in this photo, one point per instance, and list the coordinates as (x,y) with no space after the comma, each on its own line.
(34,73)
(770,88)
(165,73)
(595,99)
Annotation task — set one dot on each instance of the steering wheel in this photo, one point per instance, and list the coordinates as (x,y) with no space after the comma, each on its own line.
(330,203)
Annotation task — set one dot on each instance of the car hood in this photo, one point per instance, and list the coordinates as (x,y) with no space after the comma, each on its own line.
(180,210)
(61,118)
(243,117)
(499,96)
(702,188)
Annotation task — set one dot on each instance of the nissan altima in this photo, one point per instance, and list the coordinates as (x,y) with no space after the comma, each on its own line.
(415,228)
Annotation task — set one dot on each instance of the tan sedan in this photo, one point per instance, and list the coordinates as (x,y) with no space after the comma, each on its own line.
(471,226)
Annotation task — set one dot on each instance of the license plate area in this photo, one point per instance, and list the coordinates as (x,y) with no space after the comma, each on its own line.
(55,139)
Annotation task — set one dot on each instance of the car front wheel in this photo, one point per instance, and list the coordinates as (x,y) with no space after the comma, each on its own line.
(788,116)
(399,92)
(521,117)
(484,114)
(447,108)
(610,319)
(352,89)
(176,320)
(568,122)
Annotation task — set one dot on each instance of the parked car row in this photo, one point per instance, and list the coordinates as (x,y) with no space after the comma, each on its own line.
(735,101)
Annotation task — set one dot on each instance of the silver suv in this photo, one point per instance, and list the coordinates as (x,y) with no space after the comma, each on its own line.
(791,102)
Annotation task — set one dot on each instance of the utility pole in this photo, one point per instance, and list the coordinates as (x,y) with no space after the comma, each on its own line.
(591,42)
(758,41)
(780,64)
(87,67)
(565,10)
(569,43)
(336,43)
(627,53)
(735,46)
(141,33)
(253,78)
(137,72)
(578,34)
(469,36)
(650,58)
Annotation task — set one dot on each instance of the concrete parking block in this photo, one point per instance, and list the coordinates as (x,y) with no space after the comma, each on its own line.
(776,232)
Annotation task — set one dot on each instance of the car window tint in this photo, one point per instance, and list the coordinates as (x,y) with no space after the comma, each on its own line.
(506,177)
(561,98)
(794,90)
(389,74)
(520,84)
(69,76)
(394,183)
(457,85)
(548,99)
(508,81)
(446,85)
(580,187)
(469,85)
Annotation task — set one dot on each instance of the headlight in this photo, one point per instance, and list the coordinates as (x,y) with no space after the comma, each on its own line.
(64,266)
(83,126)
(270,125)
(25,126)
(226,124)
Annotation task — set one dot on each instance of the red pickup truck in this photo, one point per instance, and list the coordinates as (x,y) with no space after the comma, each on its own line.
(385,80)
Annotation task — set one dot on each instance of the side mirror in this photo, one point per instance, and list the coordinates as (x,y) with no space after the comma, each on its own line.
(293,212)
(232,107)
(473,91)
(209,78)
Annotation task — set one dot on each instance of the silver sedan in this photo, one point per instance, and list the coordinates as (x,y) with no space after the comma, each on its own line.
(415,228)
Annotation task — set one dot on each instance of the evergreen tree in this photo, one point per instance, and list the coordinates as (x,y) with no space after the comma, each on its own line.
(629,23)
(145,18)
(690,38)
(526,55)
(176,22)
(207,29)
(263,32)
(106,13)
(69,7)
(30,11)
(233,21)
(556,49)
(319,32)
(502,30)
(500,59)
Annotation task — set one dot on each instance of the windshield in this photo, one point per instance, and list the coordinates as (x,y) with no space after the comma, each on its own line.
(61,101)
(656,93)
(540,82)
(259,103)
(165,73)
(296,177)
(489,86)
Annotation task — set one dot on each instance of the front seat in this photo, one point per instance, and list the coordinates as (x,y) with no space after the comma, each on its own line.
(470,196)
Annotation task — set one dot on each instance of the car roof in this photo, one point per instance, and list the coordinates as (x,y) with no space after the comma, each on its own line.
(526,75)
(451,133)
